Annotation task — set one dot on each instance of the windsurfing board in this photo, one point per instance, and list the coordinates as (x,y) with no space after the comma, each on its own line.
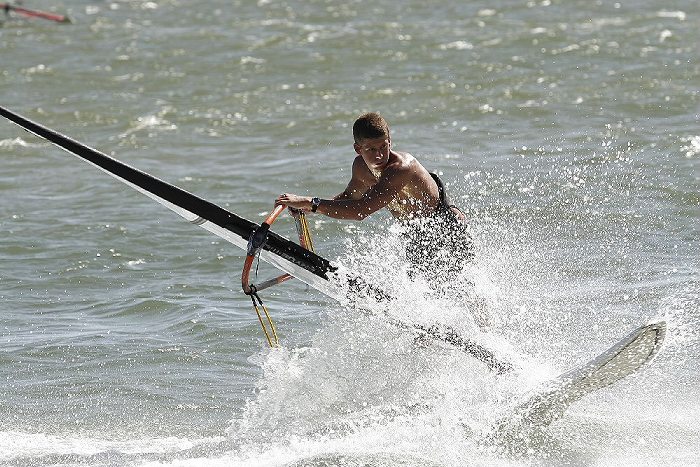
(550,401)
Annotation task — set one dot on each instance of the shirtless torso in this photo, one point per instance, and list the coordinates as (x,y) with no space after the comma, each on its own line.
(402,185)
(381,178)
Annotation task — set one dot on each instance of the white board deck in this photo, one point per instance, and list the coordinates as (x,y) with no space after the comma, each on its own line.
(549,402)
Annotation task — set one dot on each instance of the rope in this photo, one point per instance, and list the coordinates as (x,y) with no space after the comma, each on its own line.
(271,335)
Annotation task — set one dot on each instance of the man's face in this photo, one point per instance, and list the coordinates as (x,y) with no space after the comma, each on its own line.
(375,151)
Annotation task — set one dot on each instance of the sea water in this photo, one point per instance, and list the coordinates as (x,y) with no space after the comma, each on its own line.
(566,130)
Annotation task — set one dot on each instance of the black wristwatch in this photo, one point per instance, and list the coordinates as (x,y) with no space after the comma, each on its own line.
(314,203)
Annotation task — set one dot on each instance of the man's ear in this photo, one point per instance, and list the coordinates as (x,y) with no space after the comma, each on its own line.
(356,147)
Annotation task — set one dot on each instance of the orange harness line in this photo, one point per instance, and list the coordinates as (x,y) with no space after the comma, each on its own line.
(255,244)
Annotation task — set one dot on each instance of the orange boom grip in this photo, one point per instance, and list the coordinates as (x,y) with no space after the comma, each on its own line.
(255,244)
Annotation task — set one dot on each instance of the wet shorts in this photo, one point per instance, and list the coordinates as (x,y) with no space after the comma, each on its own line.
(438,246)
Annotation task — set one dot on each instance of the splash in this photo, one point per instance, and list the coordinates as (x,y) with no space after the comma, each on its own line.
(691,147)
(363,387)
(549,272)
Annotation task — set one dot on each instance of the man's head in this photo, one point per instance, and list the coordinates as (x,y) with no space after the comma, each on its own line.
(372,140)
(370,126)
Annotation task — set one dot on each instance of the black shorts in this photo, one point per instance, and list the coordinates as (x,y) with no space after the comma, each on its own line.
(440,245)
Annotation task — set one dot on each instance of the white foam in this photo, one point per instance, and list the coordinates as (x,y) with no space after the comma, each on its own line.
(17,142)
(17,444)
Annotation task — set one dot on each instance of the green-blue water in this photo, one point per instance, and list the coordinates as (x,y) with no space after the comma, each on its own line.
(567,130)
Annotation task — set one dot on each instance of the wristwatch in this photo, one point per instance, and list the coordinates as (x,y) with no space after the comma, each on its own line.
(315,201)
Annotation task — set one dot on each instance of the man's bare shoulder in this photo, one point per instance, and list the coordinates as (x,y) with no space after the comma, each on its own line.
(401,161)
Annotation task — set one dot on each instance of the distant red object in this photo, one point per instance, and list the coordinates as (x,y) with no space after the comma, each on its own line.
(34,13)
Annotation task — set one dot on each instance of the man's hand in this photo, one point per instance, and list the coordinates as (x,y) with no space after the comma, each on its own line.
(294,201)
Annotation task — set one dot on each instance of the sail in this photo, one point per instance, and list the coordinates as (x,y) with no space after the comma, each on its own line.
(278,251)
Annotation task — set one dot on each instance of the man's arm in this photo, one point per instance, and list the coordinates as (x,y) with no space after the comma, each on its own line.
(393,179)
(374,199)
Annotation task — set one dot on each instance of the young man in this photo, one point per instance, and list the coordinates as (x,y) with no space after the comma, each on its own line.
(438,240)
